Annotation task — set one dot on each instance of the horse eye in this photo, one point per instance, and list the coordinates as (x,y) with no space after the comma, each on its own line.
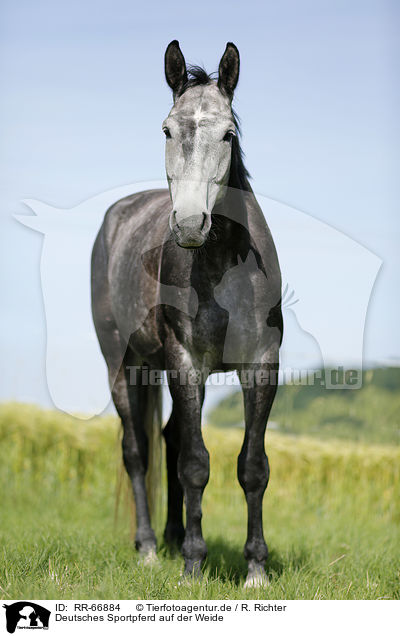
(167,133)
(228,136)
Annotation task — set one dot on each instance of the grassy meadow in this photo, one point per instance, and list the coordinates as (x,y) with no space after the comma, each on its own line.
(331,515)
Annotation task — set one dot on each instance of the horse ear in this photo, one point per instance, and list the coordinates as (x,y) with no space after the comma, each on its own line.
(228,72)
(175,67)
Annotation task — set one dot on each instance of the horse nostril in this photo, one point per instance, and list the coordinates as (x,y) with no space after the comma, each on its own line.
(173,217)
(204,221)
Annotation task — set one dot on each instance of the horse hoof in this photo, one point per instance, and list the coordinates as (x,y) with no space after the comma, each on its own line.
(191,574)
(185,580)
(256,581)
(188,578)
(149,557)
(256,578)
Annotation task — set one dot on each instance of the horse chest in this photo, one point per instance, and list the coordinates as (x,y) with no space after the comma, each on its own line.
(202,334)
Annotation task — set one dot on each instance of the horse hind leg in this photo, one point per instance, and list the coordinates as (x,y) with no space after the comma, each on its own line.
(130,398)
(174,530)
(131,401)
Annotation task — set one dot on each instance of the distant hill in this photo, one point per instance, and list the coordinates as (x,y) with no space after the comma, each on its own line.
(369,414)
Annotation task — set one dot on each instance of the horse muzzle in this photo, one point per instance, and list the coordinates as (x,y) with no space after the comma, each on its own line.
(190,232)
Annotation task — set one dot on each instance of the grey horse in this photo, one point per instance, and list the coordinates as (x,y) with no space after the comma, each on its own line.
(187,281)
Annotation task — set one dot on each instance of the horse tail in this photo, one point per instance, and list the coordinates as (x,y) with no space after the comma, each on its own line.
(153,423)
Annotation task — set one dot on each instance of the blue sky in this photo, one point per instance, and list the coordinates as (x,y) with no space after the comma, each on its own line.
(83,96)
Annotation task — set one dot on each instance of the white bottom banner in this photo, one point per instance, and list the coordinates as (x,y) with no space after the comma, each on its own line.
(277,617)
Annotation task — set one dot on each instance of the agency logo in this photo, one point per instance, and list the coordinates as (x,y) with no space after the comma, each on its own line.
(26,615)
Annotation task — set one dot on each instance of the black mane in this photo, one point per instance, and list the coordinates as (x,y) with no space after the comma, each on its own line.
(239,175)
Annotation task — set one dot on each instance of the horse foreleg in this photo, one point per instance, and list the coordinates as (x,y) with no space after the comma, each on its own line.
(174,531)
(253,475)
(193,469)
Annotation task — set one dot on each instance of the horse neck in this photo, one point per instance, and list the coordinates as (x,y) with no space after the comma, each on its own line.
(238,174)
(231,222)
(231,213)
(235,205)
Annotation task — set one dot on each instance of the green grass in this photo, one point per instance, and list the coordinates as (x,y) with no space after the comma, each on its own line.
(331,517)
